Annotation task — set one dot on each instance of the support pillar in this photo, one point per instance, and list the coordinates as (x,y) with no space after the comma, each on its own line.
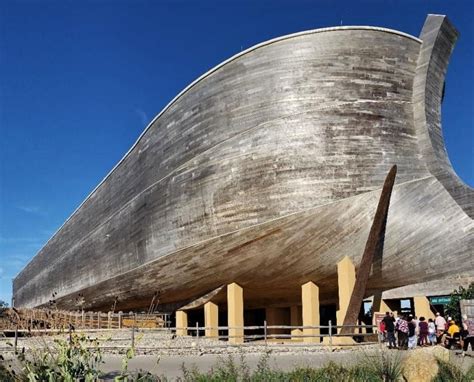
(275,317)
(310,300)
(295,320)
(346,277)
(422,307)
(235,313)
(181,323)
(211,319)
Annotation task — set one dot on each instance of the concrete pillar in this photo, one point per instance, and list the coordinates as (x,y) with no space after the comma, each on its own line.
(296,320)
(310,300)
(422,307)
(235,313)
(345,280)
(182,323)
(383,307)
(211,319)
(277,316)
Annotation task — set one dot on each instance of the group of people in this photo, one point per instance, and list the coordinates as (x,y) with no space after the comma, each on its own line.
(408,332)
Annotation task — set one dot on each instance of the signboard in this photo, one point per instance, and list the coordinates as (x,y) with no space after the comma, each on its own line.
(378,317)
(440,300)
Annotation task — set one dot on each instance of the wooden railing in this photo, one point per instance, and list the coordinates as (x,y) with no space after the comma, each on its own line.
(36,319)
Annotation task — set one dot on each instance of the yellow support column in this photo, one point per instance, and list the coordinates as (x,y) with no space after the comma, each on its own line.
(310,300)
(211,319)
(295,319)
(345,280)
(181,323)
(422,307)
(384,307)
(235,313)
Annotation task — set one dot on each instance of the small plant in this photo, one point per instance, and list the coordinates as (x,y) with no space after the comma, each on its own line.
(66,361)
(451,372)
(384,365)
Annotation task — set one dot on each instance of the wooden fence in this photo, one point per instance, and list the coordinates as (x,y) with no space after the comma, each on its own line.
(36,319)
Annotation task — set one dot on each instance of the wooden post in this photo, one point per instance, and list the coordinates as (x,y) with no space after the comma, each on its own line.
(330,335)
(16,340)
(98,320)
(120,320)
(133,336)
(265,331)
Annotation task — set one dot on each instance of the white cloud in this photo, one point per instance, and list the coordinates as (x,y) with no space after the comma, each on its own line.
(142,115)
(30,209)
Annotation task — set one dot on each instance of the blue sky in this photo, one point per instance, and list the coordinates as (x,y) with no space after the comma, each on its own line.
(80,80)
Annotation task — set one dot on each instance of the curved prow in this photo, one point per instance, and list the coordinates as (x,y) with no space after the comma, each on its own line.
(438,36)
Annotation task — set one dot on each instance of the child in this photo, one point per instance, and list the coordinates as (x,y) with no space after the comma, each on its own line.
(382,333)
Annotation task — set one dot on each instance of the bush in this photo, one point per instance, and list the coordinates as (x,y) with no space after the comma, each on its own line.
(66,361)
(453,309)
(451,372)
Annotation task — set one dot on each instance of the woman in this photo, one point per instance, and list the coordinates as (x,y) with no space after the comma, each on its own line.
(432,332)
(423,327)
(411,333)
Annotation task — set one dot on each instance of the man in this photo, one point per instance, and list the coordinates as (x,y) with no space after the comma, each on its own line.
(468,326)
(440,324)
(389,322)
(453,332)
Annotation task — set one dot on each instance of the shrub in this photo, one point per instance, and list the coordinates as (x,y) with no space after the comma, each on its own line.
(66,361)
(452,372)
(453,309)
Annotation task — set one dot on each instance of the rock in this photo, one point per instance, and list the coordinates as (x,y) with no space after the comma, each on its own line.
(420,365)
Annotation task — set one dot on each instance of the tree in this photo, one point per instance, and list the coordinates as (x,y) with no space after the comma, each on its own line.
(3,304)
(453,308)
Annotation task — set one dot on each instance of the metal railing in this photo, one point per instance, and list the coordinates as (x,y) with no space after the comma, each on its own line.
(265,337)
(332,331)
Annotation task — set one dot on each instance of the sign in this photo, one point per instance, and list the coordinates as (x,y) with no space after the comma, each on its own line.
(378,317)
(440,300)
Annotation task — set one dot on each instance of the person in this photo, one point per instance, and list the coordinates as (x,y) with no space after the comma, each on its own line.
(411,334)
(382,332)
(417,322)
(452,334)
(389,321)
(402,332)
(423,328)
(440,324)
(431,332)
(468,326)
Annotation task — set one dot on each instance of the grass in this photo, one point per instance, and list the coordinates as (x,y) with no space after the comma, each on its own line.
(380,367)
